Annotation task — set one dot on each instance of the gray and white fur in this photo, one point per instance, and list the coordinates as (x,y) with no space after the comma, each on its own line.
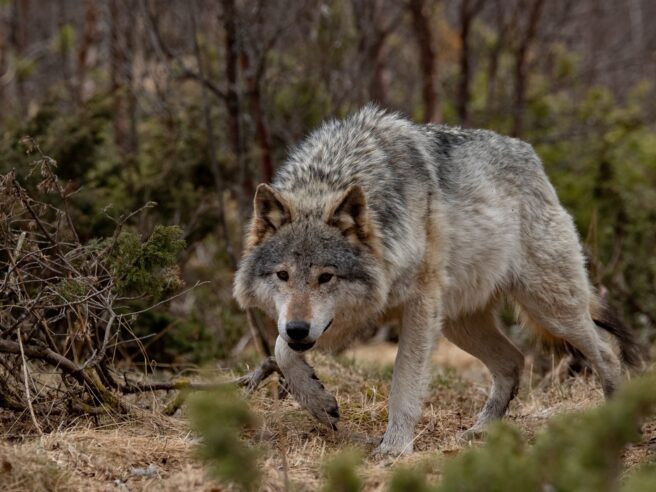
(373,212)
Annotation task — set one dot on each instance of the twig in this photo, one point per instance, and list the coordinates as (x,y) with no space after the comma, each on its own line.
(257,332)
(253,379)
(134,313)
(99,356)
(27,383)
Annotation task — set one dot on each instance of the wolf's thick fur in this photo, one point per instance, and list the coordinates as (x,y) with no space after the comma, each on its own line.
(374,212)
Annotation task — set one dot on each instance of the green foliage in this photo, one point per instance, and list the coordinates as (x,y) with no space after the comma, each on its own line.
(149,266)
(65,40)
(340,472)
(219,416)
(583,451)
(408,480)
(71,289)
(643,480)
(24,66)
(576,452)
(499,465)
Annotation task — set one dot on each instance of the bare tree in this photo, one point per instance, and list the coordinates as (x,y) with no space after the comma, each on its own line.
(232,96)
(502,25)
(469,9)
(88,40)
(421,21)
(375,20)
(524,42)
(18,38)
(119,86)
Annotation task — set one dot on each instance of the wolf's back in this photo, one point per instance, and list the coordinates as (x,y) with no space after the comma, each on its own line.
(387,155)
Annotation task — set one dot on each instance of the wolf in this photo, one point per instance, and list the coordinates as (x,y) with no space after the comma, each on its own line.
(374,212)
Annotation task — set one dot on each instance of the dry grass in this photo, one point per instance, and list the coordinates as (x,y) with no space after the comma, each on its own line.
(158,453)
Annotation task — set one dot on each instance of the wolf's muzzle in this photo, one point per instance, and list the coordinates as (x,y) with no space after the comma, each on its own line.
(300,346)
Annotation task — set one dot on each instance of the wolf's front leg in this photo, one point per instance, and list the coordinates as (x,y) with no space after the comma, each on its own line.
(304,385)
(411,375)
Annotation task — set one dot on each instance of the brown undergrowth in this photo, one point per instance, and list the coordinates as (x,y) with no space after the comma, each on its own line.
(152,452)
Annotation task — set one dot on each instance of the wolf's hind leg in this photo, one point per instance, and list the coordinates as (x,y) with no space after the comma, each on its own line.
(304,385)
(573,324)
(554,292)
(478,333)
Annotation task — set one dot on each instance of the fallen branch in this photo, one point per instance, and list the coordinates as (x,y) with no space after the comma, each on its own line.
(250,381)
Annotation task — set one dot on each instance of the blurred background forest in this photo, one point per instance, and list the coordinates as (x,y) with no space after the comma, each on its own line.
(191,103)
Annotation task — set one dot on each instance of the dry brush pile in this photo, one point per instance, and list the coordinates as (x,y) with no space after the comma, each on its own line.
(66,304)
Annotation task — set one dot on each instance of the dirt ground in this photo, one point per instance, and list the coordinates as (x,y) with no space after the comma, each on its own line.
(152,452)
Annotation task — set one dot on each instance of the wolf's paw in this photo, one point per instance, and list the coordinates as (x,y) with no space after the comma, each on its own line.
(393,447)
(474,433)
(325,409)
(316,400)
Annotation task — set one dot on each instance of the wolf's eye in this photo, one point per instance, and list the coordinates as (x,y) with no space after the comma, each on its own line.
(283,275)
(325,277)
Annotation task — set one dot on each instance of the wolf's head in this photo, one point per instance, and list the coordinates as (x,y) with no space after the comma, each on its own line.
(308,268)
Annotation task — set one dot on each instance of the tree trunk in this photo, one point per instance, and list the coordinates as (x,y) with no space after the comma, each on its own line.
(253,79)
(427,61)
(88,40)
(493,64)
(232,99)
(374,24)
(377,84)
(520,71)
(20,13)
(117,80)
(463,83)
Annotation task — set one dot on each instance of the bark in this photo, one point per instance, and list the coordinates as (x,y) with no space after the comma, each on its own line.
(3,64)
(374,25)
(232,101)
(253,79)
(65,57)
(468,11)
(117,81)
(502,28)
(427,61)
(520,69)
(87,41)
(377,84)
(18,39)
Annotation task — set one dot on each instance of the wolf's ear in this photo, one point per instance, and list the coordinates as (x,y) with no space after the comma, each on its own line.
(350,216)
(270,213)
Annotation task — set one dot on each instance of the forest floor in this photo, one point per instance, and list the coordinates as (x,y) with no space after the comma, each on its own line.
(152,452)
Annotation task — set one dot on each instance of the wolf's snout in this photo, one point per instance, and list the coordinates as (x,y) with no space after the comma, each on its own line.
(298,330)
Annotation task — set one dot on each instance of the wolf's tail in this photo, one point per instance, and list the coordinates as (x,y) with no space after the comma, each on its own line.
(630,350)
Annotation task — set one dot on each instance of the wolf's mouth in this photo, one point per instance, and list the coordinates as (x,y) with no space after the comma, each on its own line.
(300,346)
(327,326)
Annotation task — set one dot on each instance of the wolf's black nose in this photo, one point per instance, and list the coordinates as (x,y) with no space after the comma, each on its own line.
(298,330)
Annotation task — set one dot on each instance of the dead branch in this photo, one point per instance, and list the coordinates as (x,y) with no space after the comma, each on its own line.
(60,304)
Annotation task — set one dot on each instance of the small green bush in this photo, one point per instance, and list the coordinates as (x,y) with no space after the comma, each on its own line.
(147,266)
(576,452)
(340,472)
(219,416)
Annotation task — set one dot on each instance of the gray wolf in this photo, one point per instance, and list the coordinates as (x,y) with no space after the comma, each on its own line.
(373,212)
